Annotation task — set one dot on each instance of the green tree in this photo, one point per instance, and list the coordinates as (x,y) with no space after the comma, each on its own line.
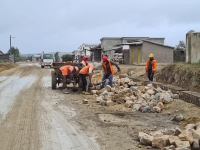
(67,57)
(181,46)
(56,56)
(14,51)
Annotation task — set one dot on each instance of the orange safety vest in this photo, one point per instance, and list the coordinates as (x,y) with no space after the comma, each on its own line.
(85,70)
(153,65)
(111,68)
(65,69)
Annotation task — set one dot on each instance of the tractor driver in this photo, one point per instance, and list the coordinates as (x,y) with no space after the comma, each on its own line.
(65,72)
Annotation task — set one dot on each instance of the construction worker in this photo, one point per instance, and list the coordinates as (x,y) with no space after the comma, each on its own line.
(108,71)
(150,67)
(65,72)
(84,61)
(84,73)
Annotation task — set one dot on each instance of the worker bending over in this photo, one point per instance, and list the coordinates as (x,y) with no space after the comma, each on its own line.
(65,72)
(108,71)
(84,73)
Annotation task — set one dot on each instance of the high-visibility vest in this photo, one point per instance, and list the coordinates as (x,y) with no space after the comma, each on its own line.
(111,68)
(153,65)
(65,69)
(85,70)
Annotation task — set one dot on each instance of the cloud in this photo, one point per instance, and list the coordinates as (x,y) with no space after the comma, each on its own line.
(63,25)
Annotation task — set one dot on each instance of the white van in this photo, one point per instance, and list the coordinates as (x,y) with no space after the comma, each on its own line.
(47,60)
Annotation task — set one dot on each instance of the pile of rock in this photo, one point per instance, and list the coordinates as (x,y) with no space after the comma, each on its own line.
(134,95)
(173,139)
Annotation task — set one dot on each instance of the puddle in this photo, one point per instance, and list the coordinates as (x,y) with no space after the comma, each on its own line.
(109,118)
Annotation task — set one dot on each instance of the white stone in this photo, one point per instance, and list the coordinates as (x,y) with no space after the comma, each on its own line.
(196,134)
(175,96)
(137,107)
(160,142)
(160,105)
(151,92)
(186,136)
(146,140)
(127,98)
(110,103)
(182,144)
(178,118)
(157,109)
(85,101)
(165,98)
(190,126)
(108,88)
(172,139)
(129,104)
(157,133)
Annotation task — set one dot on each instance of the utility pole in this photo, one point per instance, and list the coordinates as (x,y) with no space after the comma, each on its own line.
(10,42)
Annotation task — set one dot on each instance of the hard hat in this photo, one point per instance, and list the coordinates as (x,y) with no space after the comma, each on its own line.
(84,58)
(76,68)
(95,64)
(104,58)
(151,55)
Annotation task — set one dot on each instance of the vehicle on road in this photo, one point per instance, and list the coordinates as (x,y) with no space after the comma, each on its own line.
(47,59)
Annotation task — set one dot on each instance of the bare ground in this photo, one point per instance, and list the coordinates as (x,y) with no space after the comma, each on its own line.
(33,116)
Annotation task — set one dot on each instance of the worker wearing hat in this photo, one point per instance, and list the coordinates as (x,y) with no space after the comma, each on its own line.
(84,61)
(65,72)
(150,67)
(108,71)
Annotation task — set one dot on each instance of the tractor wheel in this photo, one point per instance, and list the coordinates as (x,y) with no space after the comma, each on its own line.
(53,80)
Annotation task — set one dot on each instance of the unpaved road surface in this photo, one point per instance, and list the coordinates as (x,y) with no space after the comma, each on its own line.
(33,116)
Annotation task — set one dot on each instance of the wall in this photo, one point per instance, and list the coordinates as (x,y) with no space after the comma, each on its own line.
(193,47)
(7,58)
(107,44)
(162,54)
(97,55)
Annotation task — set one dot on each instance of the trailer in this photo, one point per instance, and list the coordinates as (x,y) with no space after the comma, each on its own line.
(56,79)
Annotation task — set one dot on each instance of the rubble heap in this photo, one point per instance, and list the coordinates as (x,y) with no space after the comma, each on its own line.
(173,139)
(134,95)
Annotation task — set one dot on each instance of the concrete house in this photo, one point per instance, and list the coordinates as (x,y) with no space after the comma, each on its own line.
(107,43)
(96,53)
(139,52)
(36,58)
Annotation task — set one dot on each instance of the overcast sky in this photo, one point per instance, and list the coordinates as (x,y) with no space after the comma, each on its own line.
(63,25)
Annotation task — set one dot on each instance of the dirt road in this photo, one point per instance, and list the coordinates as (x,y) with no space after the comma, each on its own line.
(33,116)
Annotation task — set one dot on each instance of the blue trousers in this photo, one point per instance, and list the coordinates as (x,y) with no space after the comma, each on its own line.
(107,76)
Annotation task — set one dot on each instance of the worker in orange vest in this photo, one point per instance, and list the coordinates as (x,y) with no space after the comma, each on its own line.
(108,71)
(84,61)
(84,73)
(65,72)
(150,67)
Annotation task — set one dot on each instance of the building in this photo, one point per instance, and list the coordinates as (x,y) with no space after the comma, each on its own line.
(7,57)
(84,50)
(96,53)
(36,58)
(193,47)
(139,52)
(107,43)
(1,53)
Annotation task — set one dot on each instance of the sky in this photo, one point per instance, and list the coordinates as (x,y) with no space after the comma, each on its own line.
(63,25)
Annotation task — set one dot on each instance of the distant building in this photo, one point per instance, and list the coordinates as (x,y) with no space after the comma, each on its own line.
(1,53)
(83,50)
(36,58)
(107,43)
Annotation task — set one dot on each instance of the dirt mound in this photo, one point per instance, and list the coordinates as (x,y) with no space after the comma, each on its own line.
(183,75)
(6,66)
